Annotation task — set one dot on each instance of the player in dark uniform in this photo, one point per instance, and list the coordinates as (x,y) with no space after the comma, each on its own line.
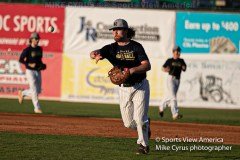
(134,93)
(31,57)
(174,66)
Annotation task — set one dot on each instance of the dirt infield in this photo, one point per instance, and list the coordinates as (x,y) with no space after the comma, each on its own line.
(109,127)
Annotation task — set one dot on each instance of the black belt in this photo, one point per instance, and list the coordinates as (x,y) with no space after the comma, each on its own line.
(130,84)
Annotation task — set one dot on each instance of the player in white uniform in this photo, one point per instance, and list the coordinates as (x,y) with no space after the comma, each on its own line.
(134,93)
(31,57)
(174,66)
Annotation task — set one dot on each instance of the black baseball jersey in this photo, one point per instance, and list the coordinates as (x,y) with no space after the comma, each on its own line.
(175,66)
(31,55)
(128,56)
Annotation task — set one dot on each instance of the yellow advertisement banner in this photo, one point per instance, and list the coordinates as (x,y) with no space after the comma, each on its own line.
(85,81)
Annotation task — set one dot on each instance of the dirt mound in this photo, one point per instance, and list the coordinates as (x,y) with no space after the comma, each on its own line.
(109,127)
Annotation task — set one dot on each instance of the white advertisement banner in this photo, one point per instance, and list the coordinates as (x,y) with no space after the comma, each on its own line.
(211,82)
(87,29)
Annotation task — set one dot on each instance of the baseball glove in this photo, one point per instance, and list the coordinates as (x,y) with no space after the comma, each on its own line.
(42,66)
(117,76)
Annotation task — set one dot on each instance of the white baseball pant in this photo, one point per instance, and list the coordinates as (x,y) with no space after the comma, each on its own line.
(171,98)
(35,81)
(134,104)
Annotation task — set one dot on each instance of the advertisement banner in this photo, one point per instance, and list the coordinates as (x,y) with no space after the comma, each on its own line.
(208,32)
(12,75)
(211,82)
(85,81)
(18,21)
(87,29)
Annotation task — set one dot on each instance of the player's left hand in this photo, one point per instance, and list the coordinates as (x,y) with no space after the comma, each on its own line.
(117,76)
(184,68)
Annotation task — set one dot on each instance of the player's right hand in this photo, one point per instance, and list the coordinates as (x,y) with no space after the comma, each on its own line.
(165,69)
(32,65)
(96,55)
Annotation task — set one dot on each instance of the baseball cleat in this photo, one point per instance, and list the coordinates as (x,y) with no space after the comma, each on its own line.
(142,149)
(39,111)
(161,114)
(178,116)
(20,97)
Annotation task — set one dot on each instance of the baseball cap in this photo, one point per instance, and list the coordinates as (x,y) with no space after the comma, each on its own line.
(119,23)
(35,35)
(177,48)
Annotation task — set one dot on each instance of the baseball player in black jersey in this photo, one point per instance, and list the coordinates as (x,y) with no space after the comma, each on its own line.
(31,57)
(134,92)
(174,66)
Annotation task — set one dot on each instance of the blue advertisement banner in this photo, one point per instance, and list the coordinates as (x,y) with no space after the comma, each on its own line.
(208,32)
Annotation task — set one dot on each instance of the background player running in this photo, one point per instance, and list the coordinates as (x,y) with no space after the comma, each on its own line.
(174,66)
(31,57)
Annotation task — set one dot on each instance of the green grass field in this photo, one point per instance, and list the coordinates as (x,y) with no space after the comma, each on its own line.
(26,146)
(52,147)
